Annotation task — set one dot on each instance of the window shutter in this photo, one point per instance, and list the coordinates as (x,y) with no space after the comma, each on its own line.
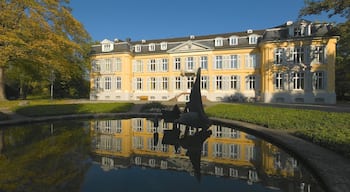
(225,83)
(238,82)
(225,61)
(257,62)
(325,80)
(246,61)
(325,55)
(285,81)
(246,83)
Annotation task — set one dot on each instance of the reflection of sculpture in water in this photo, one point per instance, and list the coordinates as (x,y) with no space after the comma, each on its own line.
(194,146)
(192,143)
(193,117)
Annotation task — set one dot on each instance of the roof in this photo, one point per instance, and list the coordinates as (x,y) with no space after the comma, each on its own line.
(281,32)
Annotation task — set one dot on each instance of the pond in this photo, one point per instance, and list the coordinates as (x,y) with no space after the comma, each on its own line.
(139,154)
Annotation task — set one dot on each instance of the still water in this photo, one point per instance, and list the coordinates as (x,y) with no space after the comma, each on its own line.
(141,154)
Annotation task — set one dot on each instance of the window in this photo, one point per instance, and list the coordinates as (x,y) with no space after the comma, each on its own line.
(106,47)
(178,83)
(218,82)
(164,84)
(250,153)
(137,144)
(319,79)
(298,80)
(108,83)
(137,48)
(318,55)
(218,62)
(164,64)
(152,83)
(299,30)
(251,82)
(251,61)
(298,55)
(219,171)
(233,40)
(234,151)
(234,82)
(204,62)
(118,83)
(117,65)
(118,126)
(218,150)
(189,63)
(97,83)
(95,66)
(138,66)
(234,62)
(190,81)
(278,56)
(152,65)
(152,47)
(233,133)
(233,172)
(108,65)
(279,81)
(219,42)
(138,83)
(204,82)
(253,39)
(163,45)
(118,144)
(137,125)
(177,65)
(218,131)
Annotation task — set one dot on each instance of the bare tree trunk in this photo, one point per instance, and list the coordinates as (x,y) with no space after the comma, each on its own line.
(2,84)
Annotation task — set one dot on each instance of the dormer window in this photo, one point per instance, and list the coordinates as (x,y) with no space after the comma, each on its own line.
(107,45)
(163,45)
(233,40)
(152,47)
(219,42)
(299,30)
(253,39)
(137,48)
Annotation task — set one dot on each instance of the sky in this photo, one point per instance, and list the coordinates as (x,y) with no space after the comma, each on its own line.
(159,19)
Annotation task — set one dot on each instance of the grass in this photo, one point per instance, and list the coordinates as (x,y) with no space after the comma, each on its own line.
(329,129)
(37,108)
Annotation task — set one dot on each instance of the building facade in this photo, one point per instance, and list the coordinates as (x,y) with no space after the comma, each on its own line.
(290,63)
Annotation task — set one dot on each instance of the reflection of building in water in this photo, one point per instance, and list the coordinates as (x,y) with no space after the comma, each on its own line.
(227,153)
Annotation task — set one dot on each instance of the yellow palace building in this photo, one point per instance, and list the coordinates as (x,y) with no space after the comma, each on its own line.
(290,63)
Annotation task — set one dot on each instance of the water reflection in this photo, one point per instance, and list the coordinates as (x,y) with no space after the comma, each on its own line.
(221,151)
(135,154)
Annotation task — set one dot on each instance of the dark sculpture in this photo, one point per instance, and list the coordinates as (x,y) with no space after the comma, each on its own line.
(193,115)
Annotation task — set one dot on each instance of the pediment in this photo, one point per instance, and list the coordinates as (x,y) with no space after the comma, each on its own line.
(106,41)
(189,46)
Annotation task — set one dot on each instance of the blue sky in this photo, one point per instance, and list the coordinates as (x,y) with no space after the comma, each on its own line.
(157,19)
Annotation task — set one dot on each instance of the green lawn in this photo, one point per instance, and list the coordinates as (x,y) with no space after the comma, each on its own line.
(328,129)
(36,108)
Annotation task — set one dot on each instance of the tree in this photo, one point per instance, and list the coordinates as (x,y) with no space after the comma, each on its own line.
(43,33)
(340,8)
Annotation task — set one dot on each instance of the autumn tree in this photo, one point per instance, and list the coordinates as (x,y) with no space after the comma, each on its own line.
(42,33)
(336,8)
